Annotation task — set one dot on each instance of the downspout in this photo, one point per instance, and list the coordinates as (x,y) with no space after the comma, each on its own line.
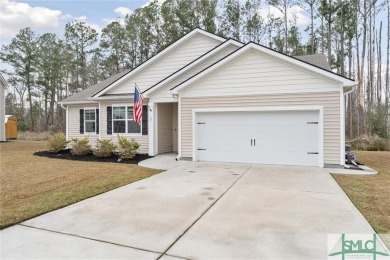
(66,120)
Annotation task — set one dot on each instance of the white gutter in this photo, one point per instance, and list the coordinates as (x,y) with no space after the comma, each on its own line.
(76,102)
(353,88)
(96,99)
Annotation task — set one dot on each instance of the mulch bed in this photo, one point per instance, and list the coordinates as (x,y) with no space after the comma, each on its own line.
(66,155)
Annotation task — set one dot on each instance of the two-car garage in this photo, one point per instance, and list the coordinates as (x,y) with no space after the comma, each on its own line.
(289,136)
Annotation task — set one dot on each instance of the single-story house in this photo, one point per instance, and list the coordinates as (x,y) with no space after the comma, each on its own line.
(3,85)
(208,98)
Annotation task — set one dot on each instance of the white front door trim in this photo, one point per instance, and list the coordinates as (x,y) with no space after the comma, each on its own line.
(320,109)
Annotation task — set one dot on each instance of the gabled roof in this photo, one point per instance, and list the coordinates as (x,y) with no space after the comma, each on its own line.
(283,57)
(84,95)
(103,86)
(191,65)
(153,59)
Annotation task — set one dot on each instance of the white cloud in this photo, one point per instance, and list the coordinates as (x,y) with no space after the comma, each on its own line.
(72,17)
(122,11)
(302,19)
(15,16)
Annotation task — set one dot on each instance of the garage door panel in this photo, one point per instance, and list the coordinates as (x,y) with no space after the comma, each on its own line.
(278,137)
(288,144)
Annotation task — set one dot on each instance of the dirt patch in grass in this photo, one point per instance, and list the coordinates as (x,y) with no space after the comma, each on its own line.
(33,185)
(371,193)
(66,155)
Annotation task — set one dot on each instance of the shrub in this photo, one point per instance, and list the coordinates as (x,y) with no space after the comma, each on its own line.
(57,142)
(127,148)
(80,146)
(371,143)
(104,148)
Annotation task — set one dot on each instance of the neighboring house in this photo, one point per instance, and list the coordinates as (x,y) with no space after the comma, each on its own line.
(3,85)
(214,99)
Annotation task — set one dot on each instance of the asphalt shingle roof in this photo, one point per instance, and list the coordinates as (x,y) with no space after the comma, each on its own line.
(318,60)
(94,89)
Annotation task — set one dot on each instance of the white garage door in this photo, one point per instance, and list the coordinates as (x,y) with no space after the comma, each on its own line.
(271,137)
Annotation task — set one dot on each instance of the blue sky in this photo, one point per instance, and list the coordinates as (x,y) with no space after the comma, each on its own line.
(52,15)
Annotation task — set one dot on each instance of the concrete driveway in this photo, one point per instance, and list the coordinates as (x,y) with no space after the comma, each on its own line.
(197,211)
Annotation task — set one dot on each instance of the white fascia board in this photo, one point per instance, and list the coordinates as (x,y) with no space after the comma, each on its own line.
(249,46)
(159,55)
(77,102)
(195,63)
(112,98)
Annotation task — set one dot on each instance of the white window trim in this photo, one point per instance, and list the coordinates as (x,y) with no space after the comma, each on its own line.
(85,121)
(126,125)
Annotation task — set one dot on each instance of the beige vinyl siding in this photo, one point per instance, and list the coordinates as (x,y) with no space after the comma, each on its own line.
(142,139)
(164,91)
(254,72)
(169,63)
(164,125)
(74,123)
(329,100)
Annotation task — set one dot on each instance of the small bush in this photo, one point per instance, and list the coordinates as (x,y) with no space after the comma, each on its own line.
(80,147)
(127,148)
(57,142)
(104,148)
(371,143)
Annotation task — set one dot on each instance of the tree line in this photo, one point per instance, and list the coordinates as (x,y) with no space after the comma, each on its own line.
(47,68)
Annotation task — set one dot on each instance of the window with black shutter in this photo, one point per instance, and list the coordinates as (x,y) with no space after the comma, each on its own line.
(97,121)
(145,120)
(81,121)
(109,120)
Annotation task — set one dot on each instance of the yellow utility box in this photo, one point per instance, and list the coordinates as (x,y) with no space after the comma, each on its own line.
(11,127)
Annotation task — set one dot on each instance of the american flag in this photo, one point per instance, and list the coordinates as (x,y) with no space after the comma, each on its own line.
(138,101)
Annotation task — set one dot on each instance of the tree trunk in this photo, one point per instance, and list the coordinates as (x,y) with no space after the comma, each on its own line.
(342,69)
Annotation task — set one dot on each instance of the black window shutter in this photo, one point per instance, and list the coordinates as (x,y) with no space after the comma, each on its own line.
(145,120)
(109,120)
(81,121)
(97,121)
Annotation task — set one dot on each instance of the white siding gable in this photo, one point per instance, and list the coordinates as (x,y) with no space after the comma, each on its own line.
(167,64)
(164,91)
(254,72)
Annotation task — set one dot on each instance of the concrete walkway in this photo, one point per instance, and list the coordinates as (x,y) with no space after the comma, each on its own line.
(164,161)
(197,211)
